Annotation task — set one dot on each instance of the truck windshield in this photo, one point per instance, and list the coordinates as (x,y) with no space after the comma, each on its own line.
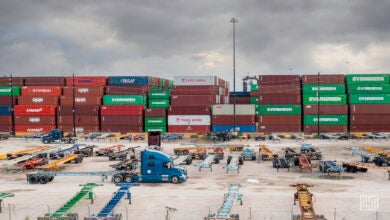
(168,165)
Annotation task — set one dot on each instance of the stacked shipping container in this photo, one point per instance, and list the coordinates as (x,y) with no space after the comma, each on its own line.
(155,115)
(324,99)
(7,100)
(223,118)
(369,98)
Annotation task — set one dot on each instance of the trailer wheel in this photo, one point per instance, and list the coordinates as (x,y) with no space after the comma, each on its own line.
(185,152)
(240,161)
(253,157)
(175,179)
(43,179)
(189,161)
(216,160)
(353,169)
(179,152)
(33,179)
(51,178)
(117,178)
(46,141)
(229,159)
(378,162)
(129,178)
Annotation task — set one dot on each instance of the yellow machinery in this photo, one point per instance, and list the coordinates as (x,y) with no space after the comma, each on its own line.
(266,154)
(375,150)
(19,153)
(195,147)
(77,158)
(304,197)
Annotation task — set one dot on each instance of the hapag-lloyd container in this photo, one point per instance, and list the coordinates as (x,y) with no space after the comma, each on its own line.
(155,112)
(325,119)
(44,81)
(307,129)
(35,110)
(369,99)
(83,91)
(16,81)
(189,110)
(369,128)
(323,79)
(129,80)
(86,81)
(121,128)
(191,100)
(228,109)
(229,119)
(122,120)
(5,120)
(195,80)
(37,100)
(325,109)
(189,120)
(158,103)
(277,89)
(91,110)
(189,128)
(159,94)
(279,119)
(239,128)
(122,110)
(34,128)
(199,90)
(124,100)
(369,119)
(79,129)
(278,109)
(155,122)
(369,109)
(79,120)
(8,100)
(367,78)
(277,99)
(279,80)
(41,90)
(325,99)
(324,89)
(80,100)
(35,120)
(364,89)
(128,90)
(268,129)
(6,91)
(5,110)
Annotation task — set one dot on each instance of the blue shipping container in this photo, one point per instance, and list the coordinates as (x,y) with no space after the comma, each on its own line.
(240,94)
(5,110)
(128,80)
(240,128)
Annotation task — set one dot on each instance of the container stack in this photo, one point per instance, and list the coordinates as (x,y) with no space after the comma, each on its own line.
(324,96)
(7,100)
(369,99)
(241,97)
(278,103)
(191,101)
(156,119)
(223,118)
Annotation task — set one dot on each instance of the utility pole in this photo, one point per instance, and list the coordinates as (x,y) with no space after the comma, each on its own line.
(234,21)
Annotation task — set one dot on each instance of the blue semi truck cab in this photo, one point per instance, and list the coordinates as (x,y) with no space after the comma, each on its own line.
(57,135)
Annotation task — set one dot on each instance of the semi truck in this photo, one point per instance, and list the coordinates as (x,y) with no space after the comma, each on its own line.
(57,135)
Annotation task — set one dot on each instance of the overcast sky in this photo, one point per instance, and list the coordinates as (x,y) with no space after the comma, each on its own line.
(179,37)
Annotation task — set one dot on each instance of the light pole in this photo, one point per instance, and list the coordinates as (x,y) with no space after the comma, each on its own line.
(234,21)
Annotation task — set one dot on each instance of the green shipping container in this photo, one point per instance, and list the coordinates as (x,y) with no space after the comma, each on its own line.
(163,130)
(124,100)
(159,94)
(324,89)
(326,120)
(369,99)
(364,89)
(367,78)
(155,122)
(158,103)
(254,87)
(254,100)
(278,109)
(6,91)
(325,99)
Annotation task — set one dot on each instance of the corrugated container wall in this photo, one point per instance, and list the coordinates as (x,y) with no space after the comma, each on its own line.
(323,79)
(44,81)
(279,80)
(228,109)
(6,91)
(129,80)
(367,79)
(41,90)
(86,81)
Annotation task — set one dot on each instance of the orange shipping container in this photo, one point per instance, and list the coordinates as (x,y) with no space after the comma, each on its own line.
(37,100)
(34,110)
(81,100)
(34,128)
(41,90)
(84,91)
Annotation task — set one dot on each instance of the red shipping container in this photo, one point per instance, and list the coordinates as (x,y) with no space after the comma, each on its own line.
(325,109)
(279,99)
(369,128)
(5,128)
(37,100)
(34,128)
(229,120)
(268,129)
(79,129)
(191,100)
(34,110)
(279,80)
(156,112)
(122,110)
(377,109)
(6,120)
(189,129)
(44,81)
(195,90)
(86,81)
(308,129)
(128,90)
(277,89)
(240,100)
(7,100)
(35,120)
(369,119)
(81,100)
(323,79)
(279,120)
(16,81)
(80,120)
(189,110)
(83,91)
(41,90)
(122,129)
(122,120)
(92,110)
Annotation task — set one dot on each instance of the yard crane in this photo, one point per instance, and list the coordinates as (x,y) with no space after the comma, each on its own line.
(245,82)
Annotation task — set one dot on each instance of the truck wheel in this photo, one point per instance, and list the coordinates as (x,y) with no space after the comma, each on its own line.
(175,179)
(128,178)
(240,161)
(45,141)
(32,179)
(189,161)
(253,157)
(43,179)
(185,152)
(179,152)
(117,178)
(353,169)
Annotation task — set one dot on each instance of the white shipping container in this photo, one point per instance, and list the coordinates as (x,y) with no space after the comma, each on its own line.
(189,120)
(228,109)
(195,80)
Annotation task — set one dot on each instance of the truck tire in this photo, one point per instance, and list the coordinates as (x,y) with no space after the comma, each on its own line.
(353,169)
(117,178)
(33,179)
(128,178)
(378,161)
(229,159)
(189,161)
(241,161)
(216,160)
(185,152)
(43,179)
(179,152)
(175,179)
(46,141)
(253,157)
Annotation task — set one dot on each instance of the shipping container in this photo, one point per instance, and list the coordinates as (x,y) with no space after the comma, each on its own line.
(6,91)
(128,90)
(370,128)
(332,99)
(83,91)
(369,99)
(44,81)
(268,129)
(5,128)
(79,129)
(34,120)
(229,119)
(253,87)
(80,100)
(277,99)
(240,100)
(325,119)
(5,110)
(278,109)
(189,128)
(364,89)
(195,80)
(324,89)
(159,94)
(325,109)
(370,109)
(119,120)
(196,90)
(191,100)
(279,120)
(6,120)
(8,100)
(228,109)
(369,119)
(34,110)
(34,128)
(189,120)
(367,78)
(239,94)
(37,100)
(279,80)
(86,81)
(309,129)
(155,112)
(41,90)
(189,110)
(91,110)
(121,128)
(158,103)
(277,89)
(16,81)
(230,128)
(163,130)
(124,100)
(122,110)
(79,120)
(155,122)
(129,80)
(323,79)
